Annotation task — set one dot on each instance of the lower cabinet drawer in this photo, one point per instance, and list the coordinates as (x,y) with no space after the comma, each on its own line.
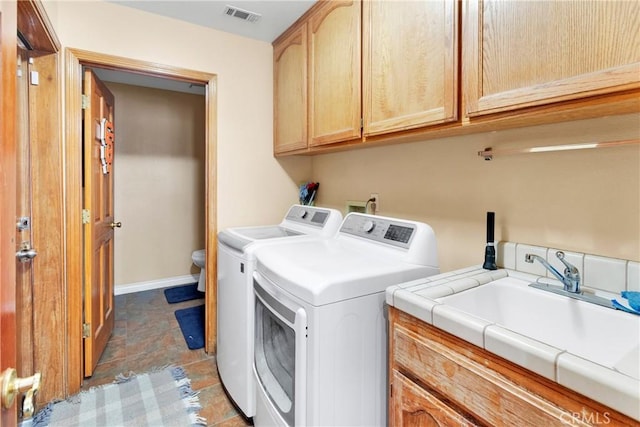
(416,407)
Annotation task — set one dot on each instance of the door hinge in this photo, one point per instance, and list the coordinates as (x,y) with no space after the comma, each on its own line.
(86,330)
(85,101)
(24,223)
(86,216)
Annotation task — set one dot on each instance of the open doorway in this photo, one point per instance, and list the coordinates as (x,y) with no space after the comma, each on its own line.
(158,201)
(159,179)
(75,61)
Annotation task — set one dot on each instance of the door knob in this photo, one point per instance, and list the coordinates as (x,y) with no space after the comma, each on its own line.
(12,385)
(26,252)
(116,224)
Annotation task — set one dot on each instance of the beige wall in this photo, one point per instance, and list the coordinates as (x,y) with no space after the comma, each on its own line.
(253,187)
(588,201)
(159,182)
(585,201)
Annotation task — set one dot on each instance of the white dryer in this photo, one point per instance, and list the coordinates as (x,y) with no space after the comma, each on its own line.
(320,346)
(235,300)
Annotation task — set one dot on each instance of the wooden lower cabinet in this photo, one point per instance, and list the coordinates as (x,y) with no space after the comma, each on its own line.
(415,406)
(437,379)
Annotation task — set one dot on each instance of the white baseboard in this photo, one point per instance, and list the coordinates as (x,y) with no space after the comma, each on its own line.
(130,288)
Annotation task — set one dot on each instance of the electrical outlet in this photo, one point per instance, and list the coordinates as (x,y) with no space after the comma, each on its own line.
(374,206)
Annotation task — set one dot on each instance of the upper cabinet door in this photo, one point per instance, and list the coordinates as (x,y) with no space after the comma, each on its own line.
(334,72)
(290,92)
(410,64)
(523,53)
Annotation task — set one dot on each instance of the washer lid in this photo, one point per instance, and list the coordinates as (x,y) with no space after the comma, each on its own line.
(326,271)
(299,221)
(269,232)
(239,238)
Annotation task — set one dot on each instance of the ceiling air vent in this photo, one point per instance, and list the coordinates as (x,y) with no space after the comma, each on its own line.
(245,15)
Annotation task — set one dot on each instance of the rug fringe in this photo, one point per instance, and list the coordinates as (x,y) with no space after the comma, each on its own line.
(177,372)
(189,397)
(42,417)
(192,402)
(197,420)
(124,378)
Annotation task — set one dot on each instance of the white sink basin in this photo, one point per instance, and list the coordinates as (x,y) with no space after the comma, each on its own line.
(605,336)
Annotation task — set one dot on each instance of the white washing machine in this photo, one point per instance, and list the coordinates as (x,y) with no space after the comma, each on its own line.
(321,336)
(235,305)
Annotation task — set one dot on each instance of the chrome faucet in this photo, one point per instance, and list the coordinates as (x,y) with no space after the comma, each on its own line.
(571,278)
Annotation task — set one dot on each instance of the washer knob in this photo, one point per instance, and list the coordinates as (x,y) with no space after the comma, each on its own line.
(302,213)
(368,226)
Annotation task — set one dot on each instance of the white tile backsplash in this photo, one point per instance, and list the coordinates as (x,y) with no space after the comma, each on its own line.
(633,276)
(535,267)
(607,274)
(596,272)
(506,255)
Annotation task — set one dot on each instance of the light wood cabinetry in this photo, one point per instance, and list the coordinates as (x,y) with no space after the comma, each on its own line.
(439,68)
(439,380)
(317,88)
(410,64)
(334,72)
(290,91)
(415,406)
(520,54)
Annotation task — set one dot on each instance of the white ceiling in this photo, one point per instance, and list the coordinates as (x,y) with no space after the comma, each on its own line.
(276,17)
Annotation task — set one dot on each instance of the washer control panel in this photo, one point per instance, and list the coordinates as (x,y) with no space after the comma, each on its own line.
(383,230)
(309,215)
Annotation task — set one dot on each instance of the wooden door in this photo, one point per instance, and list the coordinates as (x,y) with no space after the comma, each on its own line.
(524,53)
(410,64)
(290,91)
(334,72)
(24,216)
(8,54)
(98,221)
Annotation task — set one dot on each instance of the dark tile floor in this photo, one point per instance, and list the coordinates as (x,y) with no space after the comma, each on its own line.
(147,335)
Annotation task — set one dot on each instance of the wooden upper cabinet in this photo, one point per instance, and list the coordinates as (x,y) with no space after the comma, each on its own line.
(334,72)
(290,91)
(523,53)
(410,64)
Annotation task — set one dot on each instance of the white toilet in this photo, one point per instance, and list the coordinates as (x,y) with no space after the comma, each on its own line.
(198,260)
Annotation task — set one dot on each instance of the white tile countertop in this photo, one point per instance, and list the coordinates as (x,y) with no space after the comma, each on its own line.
(604,366)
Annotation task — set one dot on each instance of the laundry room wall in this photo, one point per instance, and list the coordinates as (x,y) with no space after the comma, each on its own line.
(586,201)
(253,188)
(159,179)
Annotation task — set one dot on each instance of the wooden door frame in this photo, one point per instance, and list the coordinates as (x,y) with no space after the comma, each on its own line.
(8,137)
(41,312)
(75,59)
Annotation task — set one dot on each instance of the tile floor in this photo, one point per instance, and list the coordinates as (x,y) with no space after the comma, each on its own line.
(147,335)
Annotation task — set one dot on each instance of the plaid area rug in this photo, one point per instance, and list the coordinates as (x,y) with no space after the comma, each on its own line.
(160,398)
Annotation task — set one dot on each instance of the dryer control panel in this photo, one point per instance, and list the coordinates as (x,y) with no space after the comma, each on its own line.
(309,215)
(380,229)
